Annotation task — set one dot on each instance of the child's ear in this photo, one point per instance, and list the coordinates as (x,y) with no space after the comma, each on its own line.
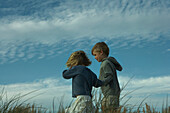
(101,52)
(71,67)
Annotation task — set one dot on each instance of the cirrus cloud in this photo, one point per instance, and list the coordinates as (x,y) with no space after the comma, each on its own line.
(126,24)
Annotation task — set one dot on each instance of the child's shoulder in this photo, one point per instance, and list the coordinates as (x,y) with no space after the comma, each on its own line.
(80,67)
(84,68)
(105,61)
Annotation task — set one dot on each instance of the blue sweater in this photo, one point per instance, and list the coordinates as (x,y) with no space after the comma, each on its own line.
(82,80)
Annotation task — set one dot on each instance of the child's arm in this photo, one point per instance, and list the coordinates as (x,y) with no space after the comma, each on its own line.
(96,81)
(70,73)
(109,72)
(108,79)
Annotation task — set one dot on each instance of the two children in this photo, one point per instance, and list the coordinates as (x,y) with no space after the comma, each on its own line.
(83,79)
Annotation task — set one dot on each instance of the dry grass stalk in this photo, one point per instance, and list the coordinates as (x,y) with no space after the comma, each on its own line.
(14,105)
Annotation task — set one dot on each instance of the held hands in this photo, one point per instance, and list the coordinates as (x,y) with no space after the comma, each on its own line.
(104,83)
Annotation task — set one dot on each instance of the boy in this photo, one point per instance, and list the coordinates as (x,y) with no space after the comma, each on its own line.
(83,79)
(108,74)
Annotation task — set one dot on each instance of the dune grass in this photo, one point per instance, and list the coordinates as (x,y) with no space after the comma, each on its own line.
(16,104)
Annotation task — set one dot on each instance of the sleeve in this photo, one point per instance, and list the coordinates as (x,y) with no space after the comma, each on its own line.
(65,74)
(108,73)
(96,81)
(70,73)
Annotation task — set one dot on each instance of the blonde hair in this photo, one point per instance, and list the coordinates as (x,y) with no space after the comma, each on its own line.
(78,58)
(100,46)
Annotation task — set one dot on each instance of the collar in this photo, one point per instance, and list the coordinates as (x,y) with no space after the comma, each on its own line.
(104,59)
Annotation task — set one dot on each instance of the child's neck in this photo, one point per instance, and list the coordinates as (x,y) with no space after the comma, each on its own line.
(104,56)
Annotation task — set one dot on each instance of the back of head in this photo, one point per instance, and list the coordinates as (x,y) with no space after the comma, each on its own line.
(78,58)
(100,46)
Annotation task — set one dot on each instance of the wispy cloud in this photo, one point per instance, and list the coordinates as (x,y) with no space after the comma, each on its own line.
(127,23)
(83,25)
(168,49)
(153,89)
(156,87)
(153,85)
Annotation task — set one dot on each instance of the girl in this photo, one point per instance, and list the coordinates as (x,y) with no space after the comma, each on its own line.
(83,79)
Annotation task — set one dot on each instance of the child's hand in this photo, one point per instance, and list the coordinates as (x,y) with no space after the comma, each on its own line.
(104,83)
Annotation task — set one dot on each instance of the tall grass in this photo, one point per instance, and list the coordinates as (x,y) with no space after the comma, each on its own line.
(16,104)
(97,99)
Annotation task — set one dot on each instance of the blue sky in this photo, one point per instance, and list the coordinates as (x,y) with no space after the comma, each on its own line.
(37,37)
